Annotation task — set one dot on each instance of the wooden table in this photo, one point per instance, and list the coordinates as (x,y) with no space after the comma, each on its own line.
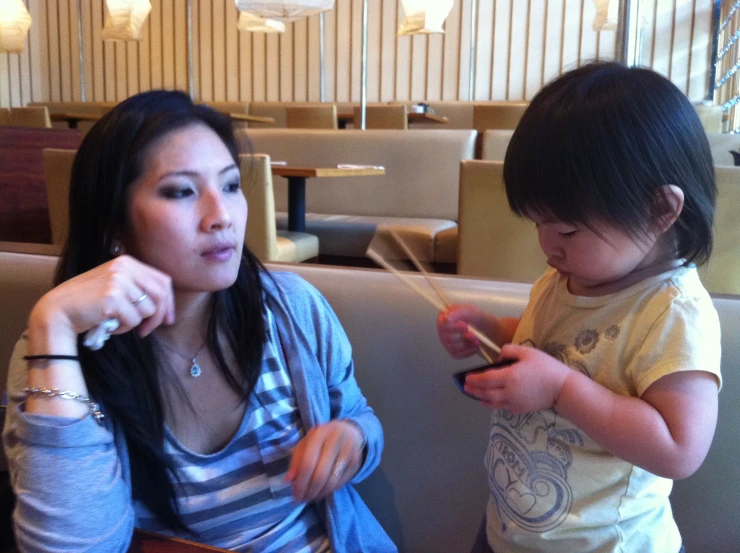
(412,116)
(149,542)
(251,118)
(297,186)
(73,118)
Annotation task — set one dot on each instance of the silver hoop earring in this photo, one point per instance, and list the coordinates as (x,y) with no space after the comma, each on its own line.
(115,249)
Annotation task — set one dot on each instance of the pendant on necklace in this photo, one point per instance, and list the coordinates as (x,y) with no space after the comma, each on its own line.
(195,369)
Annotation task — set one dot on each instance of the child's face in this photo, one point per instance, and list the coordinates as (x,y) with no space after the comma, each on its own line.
(595,262)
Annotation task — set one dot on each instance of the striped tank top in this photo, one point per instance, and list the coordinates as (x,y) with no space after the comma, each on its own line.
(236,498)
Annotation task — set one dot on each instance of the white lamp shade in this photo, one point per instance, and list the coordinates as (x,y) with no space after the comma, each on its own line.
(125,19)
(424,16)
(607,15)
(256,24)
(287,10)
(14,24)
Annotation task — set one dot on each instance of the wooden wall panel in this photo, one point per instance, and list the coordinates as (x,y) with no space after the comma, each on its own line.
(520,46)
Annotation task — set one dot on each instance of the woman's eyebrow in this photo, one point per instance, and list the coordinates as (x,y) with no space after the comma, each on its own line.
(190,173)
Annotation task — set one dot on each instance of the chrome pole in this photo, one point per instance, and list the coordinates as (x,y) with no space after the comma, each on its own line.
(623,32)
(322,54)
(363,82)
(191,77)
(79,41)
(473,47)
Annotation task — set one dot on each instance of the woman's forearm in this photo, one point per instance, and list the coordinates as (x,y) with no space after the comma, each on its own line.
(49,337)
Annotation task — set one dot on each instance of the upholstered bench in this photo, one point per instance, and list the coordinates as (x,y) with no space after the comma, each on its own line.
(430,489)
(417,196)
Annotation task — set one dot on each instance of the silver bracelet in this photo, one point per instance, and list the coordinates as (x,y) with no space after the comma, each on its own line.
(55,392)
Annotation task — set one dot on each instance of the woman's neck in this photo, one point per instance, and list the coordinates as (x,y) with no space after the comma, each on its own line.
(191,320)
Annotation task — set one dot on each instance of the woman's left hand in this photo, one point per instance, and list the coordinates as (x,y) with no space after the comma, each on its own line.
(325,460)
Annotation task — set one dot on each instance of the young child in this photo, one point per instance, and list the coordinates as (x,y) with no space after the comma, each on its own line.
(616,360)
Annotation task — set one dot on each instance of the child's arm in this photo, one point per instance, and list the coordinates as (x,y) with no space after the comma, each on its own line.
(452,327)
(667,431)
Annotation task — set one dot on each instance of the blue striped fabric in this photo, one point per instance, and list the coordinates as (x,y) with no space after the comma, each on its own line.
(236,498)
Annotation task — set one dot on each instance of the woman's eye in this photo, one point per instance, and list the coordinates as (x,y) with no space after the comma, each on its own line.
(568,234)
(233,187)
(176,192)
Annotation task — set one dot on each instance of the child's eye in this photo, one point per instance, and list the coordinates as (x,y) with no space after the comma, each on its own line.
(176,192)
(233,187)
(568,234)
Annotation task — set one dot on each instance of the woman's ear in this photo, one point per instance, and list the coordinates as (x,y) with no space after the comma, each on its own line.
(667,207)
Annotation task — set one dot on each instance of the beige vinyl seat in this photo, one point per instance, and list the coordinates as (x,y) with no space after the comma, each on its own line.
(58,172)
(492,241)
(494,144)
(4,117)
(262,236)
(383,117)
(725,148)
(711,116)
(36,116)
(311,117)
(503,115)
(721,275)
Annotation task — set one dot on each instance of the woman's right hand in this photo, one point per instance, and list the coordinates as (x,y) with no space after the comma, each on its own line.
(109,291)
(453,328)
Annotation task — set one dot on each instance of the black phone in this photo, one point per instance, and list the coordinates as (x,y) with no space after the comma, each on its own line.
(459,377)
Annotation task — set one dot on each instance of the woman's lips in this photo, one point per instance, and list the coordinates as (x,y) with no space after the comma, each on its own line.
(220,252)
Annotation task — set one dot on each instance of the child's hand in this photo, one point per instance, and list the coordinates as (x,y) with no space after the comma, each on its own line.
(452,327)
(532,383)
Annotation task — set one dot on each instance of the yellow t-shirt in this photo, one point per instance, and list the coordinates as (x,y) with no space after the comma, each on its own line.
(553,489)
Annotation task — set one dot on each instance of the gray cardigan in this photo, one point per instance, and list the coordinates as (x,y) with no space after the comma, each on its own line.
(72,477)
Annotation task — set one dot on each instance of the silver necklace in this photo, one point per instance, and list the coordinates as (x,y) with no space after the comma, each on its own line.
(195,370)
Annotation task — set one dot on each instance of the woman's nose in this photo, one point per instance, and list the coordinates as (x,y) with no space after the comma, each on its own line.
(216,214)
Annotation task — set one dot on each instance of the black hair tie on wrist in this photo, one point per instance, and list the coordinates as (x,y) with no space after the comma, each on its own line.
(51,357)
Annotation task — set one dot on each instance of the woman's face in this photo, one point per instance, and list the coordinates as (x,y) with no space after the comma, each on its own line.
(187,213)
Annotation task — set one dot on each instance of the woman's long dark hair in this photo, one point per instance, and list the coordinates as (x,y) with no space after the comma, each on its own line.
(125,375)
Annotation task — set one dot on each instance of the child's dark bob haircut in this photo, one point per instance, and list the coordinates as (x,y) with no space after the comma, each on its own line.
(598,143)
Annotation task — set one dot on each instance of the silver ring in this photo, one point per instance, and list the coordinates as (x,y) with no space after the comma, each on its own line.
(339,468)
(141,299)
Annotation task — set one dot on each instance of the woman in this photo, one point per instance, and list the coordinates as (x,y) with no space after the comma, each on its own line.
(231,415)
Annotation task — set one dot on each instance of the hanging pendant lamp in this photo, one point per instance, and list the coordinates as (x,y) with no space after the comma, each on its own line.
(607,15)
(125,19)
(286,10)
(255,24)
(14,24)
(424,16)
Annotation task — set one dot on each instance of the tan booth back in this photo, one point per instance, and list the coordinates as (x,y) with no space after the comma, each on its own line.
(58,171)
(311,117)
(494,144)
(501,115)
(492,241)
(723,145)
(36,116)
(261,235)
(711,117)
(722,274)
(421,169)
(382,117)
(4,117)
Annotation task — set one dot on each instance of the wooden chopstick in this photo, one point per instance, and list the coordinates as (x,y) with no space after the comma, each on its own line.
(420,267)
(433,284)
(431,299)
